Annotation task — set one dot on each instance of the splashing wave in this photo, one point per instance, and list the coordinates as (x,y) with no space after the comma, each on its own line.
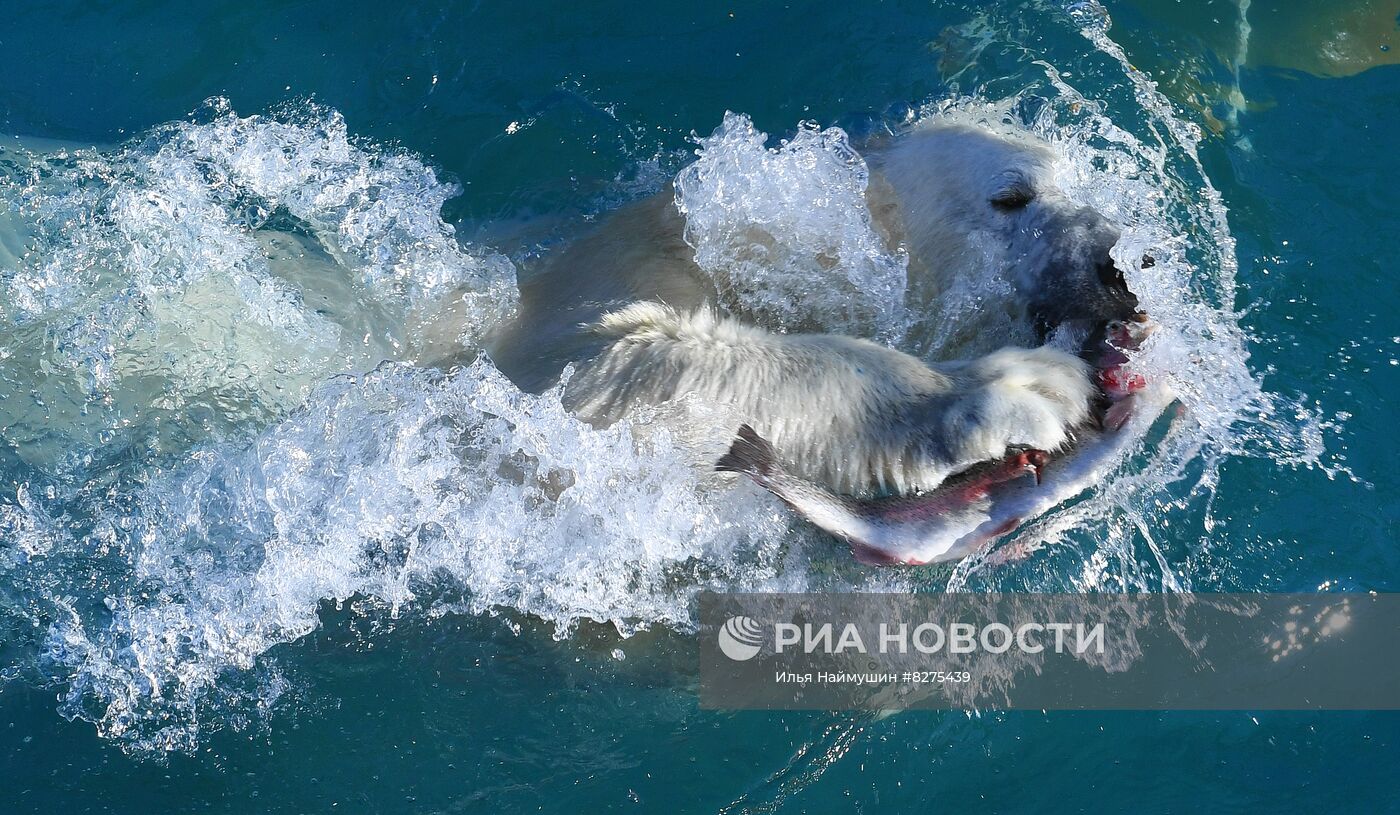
(409,489)
(202,463)
(210,273)
(785,233)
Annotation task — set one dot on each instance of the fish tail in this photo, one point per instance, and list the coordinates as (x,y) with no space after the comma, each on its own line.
(750,454)
(754,456)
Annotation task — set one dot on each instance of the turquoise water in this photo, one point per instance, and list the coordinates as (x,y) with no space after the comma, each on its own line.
(232,579)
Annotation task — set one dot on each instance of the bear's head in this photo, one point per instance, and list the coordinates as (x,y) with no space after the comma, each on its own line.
(964,191)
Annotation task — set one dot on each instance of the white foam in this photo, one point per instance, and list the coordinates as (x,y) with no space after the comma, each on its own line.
(785,233)
(218,270)
(1162,196)
(413,490)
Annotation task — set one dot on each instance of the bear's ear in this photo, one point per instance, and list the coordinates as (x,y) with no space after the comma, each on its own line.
(1013,191)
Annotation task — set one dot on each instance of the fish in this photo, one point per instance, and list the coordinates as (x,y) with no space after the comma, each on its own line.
(973,508)
(880,531)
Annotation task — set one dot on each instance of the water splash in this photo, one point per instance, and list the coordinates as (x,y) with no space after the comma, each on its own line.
(1236,100)
(403,489)
(785,233)
(1157,187)
(210,273)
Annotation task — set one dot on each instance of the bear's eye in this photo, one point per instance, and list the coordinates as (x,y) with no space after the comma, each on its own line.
(1013,198)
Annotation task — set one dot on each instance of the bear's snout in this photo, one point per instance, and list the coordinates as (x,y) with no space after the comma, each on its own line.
(1079,279)
(1122,302)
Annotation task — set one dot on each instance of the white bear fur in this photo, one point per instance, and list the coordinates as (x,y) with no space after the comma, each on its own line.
(852,415)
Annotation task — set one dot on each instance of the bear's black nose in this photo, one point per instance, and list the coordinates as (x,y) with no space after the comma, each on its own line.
(1109,274)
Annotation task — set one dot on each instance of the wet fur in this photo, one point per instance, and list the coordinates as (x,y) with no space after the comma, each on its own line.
(854,416)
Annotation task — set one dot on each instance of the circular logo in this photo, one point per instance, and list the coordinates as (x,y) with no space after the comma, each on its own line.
(741,638)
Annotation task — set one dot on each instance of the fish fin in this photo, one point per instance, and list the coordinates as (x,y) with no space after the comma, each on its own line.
(750,454)
(1119,413)
(874,556)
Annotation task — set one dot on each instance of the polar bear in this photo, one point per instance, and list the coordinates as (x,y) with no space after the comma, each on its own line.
(631,307)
